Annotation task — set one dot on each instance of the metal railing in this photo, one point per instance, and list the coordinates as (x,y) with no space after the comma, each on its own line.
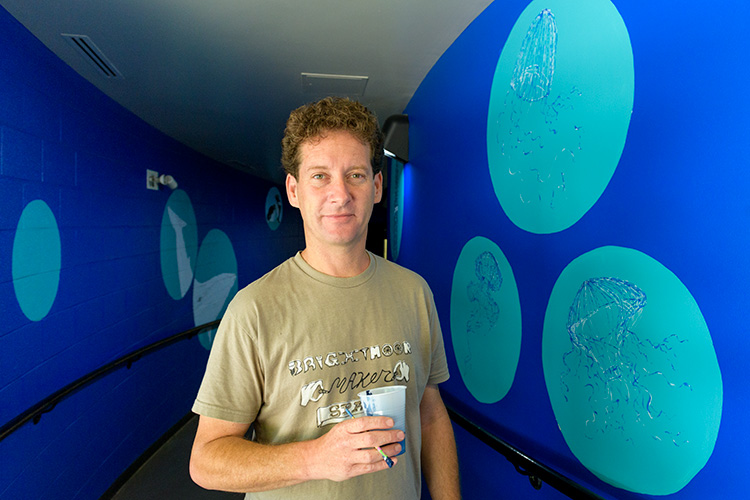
(48,404)
(525,465)
(537,472)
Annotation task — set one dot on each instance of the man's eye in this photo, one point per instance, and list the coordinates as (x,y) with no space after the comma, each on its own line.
(317,176)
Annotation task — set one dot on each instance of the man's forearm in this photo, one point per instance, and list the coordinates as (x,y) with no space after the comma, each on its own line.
(439,457)
(235,464)
(440,460)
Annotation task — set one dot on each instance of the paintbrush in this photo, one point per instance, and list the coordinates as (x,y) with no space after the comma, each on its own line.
(385,457)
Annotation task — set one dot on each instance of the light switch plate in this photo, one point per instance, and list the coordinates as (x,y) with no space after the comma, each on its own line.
(152,179)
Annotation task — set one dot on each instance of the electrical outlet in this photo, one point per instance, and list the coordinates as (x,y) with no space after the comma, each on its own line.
(152,179)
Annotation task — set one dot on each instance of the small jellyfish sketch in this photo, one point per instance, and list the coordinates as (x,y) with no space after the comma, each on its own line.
(484,311)
(485,320)
(273,211)
(274,208)
(535,65)
(529,120)
(617,370)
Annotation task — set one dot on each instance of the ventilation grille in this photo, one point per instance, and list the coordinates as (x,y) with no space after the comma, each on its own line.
(89,51)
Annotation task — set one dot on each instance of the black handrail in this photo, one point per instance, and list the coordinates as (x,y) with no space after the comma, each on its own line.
(48,404)
(524,464)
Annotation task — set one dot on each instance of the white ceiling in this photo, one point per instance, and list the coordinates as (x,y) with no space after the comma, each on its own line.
(222,75)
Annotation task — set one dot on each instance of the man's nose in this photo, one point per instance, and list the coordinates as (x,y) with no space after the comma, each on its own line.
(339,191)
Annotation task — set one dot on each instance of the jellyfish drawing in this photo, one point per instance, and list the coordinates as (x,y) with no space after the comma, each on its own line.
(559,110)
(616,370)
(535,65)
(537,144)
(484,309)
(273,211)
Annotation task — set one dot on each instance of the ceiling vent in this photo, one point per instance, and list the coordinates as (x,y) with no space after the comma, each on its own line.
(338,85)
(89,51)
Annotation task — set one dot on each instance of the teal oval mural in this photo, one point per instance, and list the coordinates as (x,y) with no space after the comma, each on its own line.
(395,206)
(485,320)
(179,244)
(37,257)
(274,208)
(559,111)
(631,371)
(215,281)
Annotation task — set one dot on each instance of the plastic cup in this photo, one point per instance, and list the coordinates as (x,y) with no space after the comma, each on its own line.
(387,402)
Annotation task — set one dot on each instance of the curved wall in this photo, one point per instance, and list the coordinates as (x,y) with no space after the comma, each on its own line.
(591,147)
(89,271)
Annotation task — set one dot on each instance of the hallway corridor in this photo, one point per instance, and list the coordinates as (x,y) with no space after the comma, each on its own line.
(165,475)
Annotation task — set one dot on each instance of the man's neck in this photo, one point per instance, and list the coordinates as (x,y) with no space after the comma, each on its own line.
(345,263)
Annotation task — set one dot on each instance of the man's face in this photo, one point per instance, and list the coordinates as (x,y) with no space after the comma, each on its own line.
(335,190)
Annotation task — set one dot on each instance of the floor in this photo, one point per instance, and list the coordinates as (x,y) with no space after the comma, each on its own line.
(165,475)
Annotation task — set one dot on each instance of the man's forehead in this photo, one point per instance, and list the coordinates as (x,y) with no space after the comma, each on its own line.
(344,146)
(331,133)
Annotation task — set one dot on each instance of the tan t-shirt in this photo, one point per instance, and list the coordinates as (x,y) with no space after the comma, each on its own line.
(296,346)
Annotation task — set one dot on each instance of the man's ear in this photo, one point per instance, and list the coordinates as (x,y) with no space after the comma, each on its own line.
(378,187)
(291,190)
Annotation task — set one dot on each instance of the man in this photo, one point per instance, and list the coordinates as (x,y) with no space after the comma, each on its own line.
(296,346)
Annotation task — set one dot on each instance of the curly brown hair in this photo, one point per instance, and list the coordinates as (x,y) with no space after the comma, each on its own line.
(332,113)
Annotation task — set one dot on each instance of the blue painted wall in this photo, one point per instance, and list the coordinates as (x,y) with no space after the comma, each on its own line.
(63,142)
(678,195)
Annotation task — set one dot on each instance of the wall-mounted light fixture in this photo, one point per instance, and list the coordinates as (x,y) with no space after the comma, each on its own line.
(154,180)
(168,180)
(396,137)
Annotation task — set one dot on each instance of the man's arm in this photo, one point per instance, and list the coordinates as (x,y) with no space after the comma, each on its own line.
(222,459)
(439,457)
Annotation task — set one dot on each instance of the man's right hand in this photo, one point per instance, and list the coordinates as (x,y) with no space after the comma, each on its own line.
(348,449)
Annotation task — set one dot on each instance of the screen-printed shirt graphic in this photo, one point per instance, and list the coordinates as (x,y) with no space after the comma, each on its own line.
(362,376)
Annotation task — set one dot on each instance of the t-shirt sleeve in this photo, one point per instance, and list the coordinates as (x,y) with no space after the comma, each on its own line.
(232,387)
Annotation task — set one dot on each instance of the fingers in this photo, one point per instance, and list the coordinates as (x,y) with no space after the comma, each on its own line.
(350,447)
(373,462)
(342,461)
(373,439)
(364,424)
(369,432)
(392,449)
